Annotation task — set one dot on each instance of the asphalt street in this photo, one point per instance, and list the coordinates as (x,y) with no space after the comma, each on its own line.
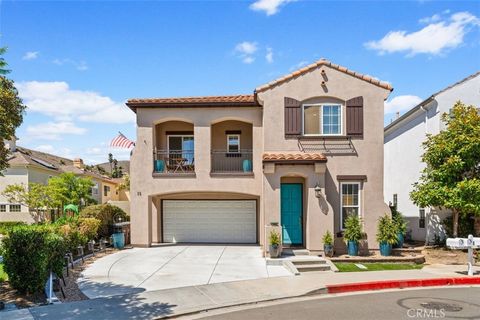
(438,303)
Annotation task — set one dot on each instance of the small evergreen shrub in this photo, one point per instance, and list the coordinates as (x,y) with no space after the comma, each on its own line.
(327,238)
(6,226)
(30,252)
(353,229)
(387,230)
(105,213)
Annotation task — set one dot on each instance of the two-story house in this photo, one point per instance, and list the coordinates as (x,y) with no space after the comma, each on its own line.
(403,153)
(302,153)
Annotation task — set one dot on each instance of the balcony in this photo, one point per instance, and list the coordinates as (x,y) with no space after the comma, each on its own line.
(174,162)
(224,162)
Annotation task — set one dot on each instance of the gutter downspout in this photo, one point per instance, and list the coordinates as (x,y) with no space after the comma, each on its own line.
(427,213)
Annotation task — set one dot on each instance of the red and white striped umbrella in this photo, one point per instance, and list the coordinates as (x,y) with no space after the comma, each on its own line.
(122,142)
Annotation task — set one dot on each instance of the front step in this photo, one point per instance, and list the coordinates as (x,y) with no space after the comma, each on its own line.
(295,252)
(310,265)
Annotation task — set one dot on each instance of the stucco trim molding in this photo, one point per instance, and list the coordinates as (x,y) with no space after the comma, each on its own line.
(352,177)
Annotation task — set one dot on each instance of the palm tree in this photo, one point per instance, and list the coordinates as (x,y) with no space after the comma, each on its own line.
(3,63)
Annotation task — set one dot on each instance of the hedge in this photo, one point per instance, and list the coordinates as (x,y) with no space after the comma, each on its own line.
(6,226)
(105,213)
(30,252)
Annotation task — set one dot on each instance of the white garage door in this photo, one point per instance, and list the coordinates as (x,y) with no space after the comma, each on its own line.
(216,221)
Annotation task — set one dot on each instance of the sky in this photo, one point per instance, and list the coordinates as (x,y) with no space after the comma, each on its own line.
(75,63)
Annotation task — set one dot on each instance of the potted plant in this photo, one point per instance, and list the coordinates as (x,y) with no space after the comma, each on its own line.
(328,244)
(352,234)
(274,241)
(386,235)
(401,226)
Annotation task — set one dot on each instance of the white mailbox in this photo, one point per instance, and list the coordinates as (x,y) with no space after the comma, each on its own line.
(465,243)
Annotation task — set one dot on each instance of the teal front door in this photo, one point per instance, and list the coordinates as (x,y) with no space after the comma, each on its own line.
(291,202)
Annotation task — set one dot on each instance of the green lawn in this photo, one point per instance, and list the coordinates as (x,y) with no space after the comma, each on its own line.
(351,267)
(3,275)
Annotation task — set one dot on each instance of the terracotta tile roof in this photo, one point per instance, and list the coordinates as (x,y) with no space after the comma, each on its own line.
(274,157)
(236,100)
(319,63)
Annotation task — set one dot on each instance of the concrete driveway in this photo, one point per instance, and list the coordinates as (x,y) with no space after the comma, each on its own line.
(144,269)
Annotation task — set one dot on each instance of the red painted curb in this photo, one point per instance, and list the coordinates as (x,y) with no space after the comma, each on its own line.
(393,284)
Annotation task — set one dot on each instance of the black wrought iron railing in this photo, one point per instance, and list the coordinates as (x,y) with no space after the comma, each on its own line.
(174,161)
(231,162)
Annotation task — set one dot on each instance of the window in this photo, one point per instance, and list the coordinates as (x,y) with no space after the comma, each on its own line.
(395,200)
(95,189)
(421,220)
(233,143)
(350,200)
(3,208)
(324,119)
(106,190)
(180,146)
(15,208)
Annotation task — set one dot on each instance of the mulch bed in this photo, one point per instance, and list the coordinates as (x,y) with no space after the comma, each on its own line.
(9,295)
(70,288)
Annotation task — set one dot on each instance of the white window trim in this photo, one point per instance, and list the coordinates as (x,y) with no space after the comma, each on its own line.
(5,206)
(321,105)
(14,204)
(359,200)
(178,135)
(228,145)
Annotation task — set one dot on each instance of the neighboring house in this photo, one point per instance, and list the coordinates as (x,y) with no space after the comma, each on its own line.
(27,166)
(302,152)
(403,151)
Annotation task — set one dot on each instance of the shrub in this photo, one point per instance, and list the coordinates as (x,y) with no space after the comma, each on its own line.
(400,223)
(76,231)
(6,226)
(353,229)
(386,230)
(327,238)
(105,213)
(274,238)
(30,253)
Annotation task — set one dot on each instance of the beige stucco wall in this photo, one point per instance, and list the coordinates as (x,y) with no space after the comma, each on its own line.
(368,159)
(146,189)
(161,129)
(219,138)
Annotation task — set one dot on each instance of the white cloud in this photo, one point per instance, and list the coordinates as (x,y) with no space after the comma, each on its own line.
(30,55)
(58,100)
(401,103)
(79,65)
(246,47)
(245,50)
(270,7)
(434,18)
(53,130)
(48,148)
(434,39)
(269,55)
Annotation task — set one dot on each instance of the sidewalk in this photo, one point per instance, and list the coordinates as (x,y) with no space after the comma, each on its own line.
(164,303)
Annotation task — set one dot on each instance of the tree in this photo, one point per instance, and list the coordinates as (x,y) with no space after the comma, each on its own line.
(125,185)
(11,111)
(68,188)
(451,178)
(36,197)
(3,63)
(110,160)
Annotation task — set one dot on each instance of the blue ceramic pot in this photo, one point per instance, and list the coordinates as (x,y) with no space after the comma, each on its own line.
(352,248)
(247,165)
(400,240)
(159,165)
(385,249)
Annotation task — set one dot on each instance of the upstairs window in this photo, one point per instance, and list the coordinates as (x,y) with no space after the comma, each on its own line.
(421,218)
(3,208)
(15,208)
(322,119)
(233,143)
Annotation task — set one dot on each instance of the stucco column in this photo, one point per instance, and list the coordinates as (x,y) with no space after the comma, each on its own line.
(141,163)
(202,137)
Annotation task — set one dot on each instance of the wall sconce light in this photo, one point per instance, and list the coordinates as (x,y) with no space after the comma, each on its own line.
(318,191)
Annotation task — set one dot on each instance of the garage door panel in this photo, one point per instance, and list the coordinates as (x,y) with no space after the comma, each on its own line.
(228,221)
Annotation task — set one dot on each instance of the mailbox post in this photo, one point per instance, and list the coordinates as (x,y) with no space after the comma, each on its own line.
(465,243)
